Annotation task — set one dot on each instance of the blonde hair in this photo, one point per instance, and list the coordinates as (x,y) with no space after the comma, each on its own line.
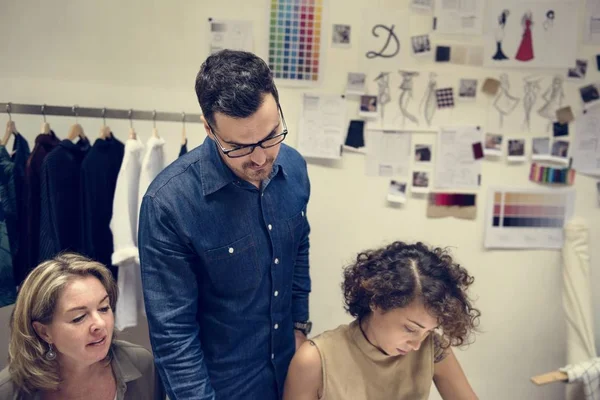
(37,300)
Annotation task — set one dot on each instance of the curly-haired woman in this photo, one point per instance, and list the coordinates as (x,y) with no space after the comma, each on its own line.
(411,307)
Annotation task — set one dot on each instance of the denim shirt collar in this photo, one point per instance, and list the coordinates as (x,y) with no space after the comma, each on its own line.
(215,174)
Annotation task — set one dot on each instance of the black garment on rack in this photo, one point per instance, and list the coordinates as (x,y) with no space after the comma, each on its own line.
(99,173)
(60,216)
(29,218)
(183,149)
(19,157)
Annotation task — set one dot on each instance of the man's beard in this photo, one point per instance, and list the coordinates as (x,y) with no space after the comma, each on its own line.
(261,174)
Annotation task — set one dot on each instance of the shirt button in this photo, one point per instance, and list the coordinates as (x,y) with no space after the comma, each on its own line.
(277,261)
(270,227)
(276,293)
(276,326)
(231,250)
(303,213)
(272,356)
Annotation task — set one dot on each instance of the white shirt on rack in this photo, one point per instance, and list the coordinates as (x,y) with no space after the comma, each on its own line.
(139,173)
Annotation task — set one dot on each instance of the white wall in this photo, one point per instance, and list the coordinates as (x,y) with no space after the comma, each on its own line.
(145,54)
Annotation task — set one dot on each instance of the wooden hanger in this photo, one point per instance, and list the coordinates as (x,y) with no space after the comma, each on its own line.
(132,134)
(10,126)
(105,131)
(76,131)
(154,130)
(45,125)
(183,134)
(10,130)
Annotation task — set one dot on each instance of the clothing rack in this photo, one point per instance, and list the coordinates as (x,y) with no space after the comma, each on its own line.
(105,113)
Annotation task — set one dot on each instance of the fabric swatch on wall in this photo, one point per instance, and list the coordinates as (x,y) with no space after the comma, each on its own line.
(356,135)
(445,97)
(458,205)
(442,54)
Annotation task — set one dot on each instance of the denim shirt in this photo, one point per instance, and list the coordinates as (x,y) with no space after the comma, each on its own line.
(225,274)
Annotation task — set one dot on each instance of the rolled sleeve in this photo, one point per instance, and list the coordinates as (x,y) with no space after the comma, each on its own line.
(171,298)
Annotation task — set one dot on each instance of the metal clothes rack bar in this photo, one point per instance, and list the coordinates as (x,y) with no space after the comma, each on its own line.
(107,113)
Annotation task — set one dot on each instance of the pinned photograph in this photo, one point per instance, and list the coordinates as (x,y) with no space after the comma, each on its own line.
(560,129)
(492,145)
(516,150)
(467,89)
(560,151)
(421,5)
(420,182)
(368,106)
(540,148)
(579,71)
(423,153)
(421,45)
(397,192)
(356,83)
(590,94)
(341,36)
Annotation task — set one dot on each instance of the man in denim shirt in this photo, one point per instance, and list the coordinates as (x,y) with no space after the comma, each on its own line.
(224,244)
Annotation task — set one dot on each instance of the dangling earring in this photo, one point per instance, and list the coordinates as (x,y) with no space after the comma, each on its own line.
(51,354)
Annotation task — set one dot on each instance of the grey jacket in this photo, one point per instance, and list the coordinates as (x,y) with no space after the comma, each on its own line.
(134,371)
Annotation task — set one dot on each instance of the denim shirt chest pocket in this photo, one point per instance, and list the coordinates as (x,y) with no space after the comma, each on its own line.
(233,268)
(296,226)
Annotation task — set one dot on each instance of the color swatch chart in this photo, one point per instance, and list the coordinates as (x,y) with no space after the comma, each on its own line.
(295,34)
(528,218)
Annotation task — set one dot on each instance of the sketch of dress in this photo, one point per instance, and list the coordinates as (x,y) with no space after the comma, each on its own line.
(554,97)
(525,52)
(383,88)
(531,90)
(429,100)
(406,94)
(505,103)
(500,36)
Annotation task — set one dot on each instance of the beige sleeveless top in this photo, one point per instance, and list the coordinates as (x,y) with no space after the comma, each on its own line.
(354,369)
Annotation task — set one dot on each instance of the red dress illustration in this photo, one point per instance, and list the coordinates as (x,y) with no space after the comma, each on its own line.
(525,52)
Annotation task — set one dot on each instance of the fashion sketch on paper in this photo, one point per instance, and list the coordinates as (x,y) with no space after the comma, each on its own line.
(505,103)
(531,89)
(553,97)
(500,34)
(429,102)
(406,95)
(383,92)
(525,52)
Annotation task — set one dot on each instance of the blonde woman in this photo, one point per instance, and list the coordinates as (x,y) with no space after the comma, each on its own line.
(61,344)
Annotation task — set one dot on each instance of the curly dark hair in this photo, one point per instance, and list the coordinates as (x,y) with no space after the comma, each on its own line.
(393,276)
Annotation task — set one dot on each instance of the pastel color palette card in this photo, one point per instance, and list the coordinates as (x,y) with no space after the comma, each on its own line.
(527,219)
(295,39)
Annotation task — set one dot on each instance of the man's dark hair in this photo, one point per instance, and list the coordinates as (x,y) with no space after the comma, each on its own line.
(395,275)
(233,83)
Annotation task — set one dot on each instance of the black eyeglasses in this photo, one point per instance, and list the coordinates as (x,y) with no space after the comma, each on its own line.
(241,151)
